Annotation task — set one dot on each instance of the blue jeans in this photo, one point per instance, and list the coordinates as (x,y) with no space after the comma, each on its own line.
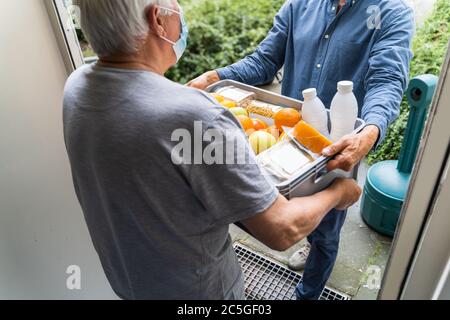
(324,249)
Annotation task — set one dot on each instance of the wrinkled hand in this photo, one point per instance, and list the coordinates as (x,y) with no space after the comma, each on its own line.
(350,193)
(351,149)
(205,80)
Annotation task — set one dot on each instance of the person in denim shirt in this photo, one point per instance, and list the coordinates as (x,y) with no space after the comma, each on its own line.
(319,43)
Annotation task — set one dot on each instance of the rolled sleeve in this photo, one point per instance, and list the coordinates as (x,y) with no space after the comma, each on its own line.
(387,78)
(226,74)
(261,67)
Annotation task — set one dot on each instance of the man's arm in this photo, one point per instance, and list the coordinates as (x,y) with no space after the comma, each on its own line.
(388,74)
(287,222)
(386,81)
(260,67)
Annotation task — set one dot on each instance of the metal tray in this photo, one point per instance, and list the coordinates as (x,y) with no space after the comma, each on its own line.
(314,177)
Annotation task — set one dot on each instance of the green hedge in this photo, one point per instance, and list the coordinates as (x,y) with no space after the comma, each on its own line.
(222,32)
(429,48)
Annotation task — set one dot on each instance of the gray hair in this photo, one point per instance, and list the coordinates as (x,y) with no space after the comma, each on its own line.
(116,26)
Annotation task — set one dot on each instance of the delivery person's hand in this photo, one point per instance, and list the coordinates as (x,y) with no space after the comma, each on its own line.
(205,80)
(287,222)
(351,149)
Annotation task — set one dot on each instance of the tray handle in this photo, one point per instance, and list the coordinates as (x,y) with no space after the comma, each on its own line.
(320,175)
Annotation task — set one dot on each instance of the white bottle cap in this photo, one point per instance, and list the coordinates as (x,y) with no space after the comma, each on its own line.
(310,94)
(345,86)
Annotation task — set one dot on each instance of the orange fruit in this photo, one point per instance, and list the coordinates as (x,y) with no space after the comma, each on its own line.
(246,123)
(287,117)
(310,137)
(258,124)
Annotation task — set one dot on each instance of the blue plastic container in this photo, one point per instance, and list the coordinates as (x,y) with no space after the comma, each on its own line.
(388,182)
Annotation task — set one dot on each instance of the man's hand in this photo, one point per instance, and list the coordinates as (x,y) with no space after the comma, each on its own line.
(205,80)
(287,222)
(350,193)
(351,149)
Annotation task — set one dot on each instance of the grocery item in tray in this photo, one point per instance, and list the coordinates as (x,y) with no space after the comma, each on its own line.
(343,111)
(314,112)
(223,101)
(218,97)
(283,137)
(258,124)
(310,137)
(273,130)
(262,108)
(229,104)
(287,117)
(235,94)
(284,160)
(261,141)
(238,111)
(246,123)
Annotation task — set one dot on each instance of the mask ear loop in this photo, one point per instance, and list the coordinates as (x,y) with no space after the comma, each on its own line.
(169,41)
(171,10)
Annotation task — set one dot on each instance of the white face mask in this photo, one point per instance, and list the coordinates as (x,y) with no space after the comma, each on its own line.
(179,47)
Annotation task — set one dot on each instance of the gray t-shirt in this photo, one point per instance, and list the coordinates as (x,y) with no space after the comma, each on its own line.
(161,230)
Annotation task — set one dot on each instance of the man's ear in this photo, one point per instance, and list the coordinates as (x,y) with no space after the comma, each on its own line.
(154,21)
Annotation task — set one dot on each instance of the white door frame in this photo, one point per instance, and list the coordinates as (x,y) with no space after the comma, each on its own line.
(418,220)
(430,267)
(65,34)
(442,291)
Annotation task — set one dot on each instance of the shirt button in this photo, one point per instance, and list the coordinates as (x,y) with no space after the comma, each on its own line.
(319,66)
(334,8)
(327,36)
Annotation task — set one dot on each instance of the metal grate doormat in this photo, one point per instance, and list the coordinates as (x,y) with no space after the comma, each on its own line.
(266,279)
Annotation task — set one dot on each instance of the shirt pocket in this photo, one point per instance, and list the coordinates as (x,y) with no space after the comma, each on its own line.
(352,61)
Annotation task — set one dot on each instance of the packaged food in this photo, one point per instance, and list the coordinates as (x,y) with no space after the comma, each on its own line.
(284,160)
(235,94)
(310,137)
(262,108)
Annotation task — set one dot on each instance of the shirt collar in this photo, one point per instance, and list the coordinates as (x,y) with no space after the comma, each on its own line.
(352,2)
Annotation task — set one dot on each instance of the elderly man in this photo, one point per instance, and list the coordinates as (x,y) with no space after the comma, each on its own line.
(319,43)
(160,226)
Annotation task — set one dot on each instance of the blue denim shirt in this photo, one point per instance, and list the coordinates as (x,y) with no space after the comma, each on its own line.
(367,42)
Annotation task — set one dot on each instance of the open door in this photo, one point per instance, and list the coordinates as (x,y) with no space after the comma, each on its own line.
(419,263)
